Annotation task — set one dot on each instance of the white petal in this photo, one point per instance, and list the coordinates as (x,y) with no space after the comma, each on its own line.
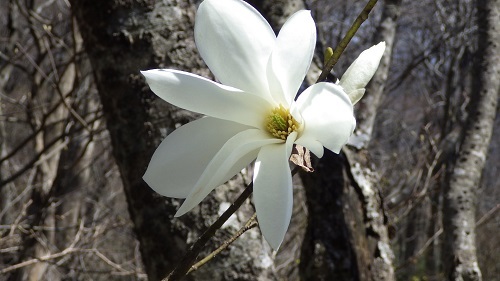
(198,94)
(328,117)
(273,194)
(292,56)
(356,95)
(180,160)
(226,163)
(362,69)
(235,42)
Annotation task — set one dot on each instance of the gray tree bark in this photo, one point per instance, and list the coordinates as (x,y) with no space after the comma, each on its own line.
(277,11)
(459,253)
(347,237)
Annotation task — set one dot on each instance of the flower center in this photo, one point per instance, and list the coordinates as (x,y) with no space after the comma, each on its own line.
(280,123)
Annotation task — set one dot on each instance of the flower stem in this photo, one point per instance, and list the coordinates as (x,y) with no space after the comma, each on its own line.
(189,258)
(345,41)
(251,223)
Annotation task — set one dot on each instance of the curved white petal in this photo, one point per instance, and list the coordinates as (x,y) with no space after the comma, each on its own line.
(235,42)
(180,160)
(328,117)
(356,95)
(198,94)
(273,193)
(226,163)
(313,145)
(362,69)
(292,56)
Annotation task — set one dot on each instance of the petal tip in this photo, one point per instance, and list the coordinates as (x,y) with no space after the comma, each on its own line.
(379,49)
(361,71)
(145,177)
(275,244)
(148,178)
(182,210)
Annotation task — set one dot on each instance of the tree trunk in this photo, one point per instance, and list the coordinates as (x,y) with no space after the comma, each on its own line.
(277,11)
(347,237)
(459,253)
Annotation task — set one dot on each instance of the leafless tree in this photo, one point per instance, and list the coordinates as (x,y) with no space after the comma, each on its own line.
(53,157)
(78,126)
(459,222)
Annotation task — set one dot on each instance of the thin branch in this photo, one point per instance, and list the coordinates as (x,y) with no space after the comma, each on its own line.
(185,264)
(189,258)
(436,235)
(345,41)
(39,259)
(251,223)
(39,157)
(30,138)
(429,242)
(490,214)
(56,87)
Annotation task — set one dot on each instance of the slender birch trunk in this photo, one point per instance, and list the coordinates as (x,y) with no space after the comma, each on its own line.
(459,255)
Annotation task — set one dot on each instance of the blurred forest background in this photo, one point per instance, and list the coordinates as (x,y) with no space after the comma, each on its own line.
(404,201)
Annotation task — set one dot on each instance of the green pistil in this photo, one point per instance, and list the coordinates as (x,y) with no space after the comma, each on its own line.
(280,123)
(277,122)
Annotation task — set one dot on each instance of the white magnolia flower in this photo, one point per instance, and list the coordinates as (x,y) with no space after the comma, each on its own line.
(252,113)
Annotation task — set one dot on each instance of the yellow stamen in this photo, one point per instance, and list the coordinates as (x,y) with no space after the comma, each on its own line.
(280,123)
